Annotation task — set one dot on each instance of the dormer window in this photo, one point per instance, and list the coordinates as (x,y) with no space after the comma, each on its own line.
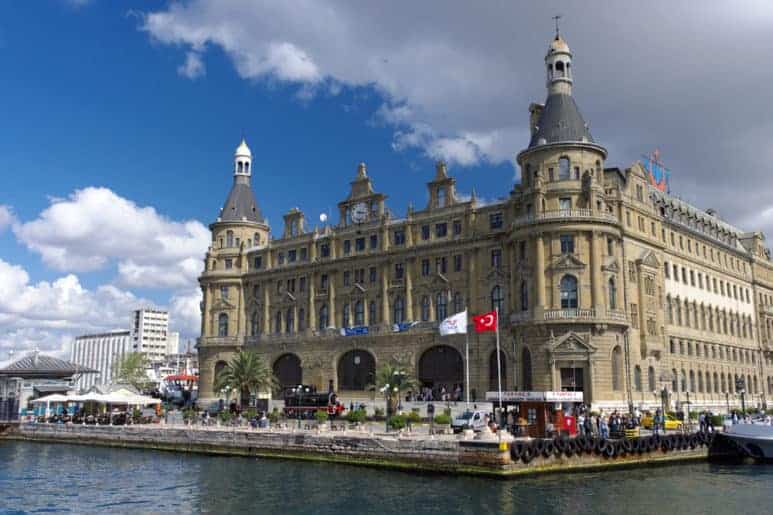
(563,169)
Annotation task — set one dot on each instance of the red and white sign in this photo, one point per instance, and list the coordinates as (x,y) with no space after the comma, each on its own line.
(535,396)
(485,322)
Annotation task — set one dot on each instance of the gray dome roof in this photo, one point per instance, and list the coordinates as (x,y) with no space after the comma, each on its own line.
(241,205)
(559,122)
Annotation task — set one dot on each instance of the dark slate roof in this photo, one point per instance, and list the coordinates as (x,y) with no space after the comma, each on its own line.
(559,122)
(241,204)
(39,365)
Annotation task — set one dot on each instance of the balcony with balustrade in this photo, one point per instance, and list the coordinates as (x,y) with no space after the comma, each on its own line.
(569,315)
(566,215)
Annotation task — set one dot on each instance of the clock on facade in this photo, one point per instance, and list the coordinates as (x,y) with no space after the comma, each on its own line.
(359,212)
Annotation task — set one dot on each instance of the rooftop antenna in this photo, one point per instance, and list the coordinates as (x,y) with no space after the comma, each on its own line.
(556,18)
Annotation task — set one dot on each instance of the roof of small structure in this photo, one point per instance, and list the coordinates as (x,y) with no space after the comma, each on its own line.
(36,365)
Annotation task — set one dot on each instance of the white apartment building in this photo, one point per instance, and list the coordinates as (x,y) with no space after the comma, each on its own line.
(100,352)
(172,343)
(150,333)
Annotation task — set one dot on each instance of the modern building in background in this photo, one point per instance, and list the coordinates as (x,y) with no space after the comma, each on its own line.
(150,333)
(605,283)
(172,343)
(99,352)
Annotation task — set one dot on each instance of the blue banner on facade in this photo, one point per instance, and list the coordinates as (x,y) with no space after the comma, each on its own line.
(403,326)
(354,331)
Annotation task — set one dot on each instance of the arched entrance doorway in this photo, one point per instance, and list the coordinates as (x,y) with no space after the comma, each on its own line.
(493,377)
(356,370)
(288,371)
(440,366)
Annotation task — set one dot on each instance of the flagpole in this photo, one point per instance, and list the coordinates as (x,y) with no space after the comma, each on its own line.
(499,364)
(467,361)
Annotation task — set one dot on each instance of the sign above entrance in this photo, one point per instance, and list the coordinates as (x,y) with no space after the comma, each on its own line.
(535,396)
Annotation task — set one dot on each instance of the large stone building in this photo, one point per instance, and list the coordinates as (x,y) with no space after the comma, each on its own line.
(605,284)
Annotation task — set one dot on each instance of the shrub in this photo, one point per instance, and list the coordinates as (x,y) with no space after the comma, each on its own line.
(273,417)
(397,421)
(413,417)
(320,415)
(443,419)
(189,414)
(447,412)
(378,412)
(693,415)
(251,413)
(716,420)
(225,416)
(356,416)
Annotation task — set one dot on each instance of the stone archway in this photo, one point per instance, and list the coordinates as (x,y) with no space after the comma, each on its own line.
(441,365)
(288,371)
(356,370)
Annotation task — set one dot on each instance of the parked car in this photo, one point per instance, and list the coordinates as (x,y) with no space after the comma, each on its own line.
(474,420)
(671,422)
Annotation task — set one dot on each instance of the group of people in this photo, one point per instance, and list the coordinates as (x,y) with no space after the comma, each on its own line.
(589,424)
(438,393)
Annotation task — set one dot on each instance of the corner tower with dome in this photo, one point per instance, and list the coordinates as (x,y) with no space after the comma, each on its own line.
(605,284)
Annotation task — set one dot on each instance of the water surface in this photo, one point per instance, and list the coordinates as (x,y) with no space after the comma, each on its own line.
(38,477)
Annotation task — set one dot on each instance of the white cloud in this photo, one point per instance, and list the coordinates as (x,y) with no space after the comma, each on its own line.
(7,218)
(193,67)
(94,226)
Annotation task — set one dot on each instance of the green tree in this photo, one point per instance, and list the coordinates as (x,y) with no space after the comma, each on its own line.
(131,369)
(392,379)
(246,372)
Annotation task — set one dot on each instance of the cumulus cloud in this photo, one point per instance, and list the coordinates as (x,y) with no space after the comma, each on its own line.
(456,79)
(193,67)
(7,218)
(94,226)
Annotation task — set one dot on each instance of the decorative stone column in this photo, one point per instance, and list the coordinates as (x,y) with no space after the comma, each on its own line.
(266,309)
(408,290)
(539,270)
(205,319)
(385,294)
(241,312)
(597,295)
(331,300)
(312,293)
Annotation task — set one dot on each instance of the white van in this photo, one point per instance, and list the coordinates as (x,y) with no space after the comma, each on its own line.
(474,420)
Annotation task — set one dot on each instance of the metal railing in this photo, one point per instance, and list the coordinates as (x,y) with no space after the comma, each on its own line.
(564,214)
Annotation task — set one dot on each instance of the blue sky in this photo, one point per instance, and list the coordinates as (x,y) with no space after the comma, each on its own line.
(119,115)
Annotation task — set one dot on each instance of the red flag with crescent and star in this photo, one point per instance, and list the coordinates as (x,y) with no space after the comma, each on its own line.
(485,322)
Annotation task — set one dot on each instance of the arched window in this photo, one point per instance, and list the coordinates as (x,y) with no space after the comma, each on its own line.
(256,238)
(255,324)
(359,313)
(229,239)
(637,378)
(493,377)
(372,313)
(247,163)
(568,292)
(289,321)
(617,368)
(524,296)
(222,325)
(684,381)
(497,299)
(716,383)
(755,384)
(559,69)
(526,369)
(424,308)
(301,320)
(345,316)
(669,311)
(458,302)
(398,311)
(700,381)
(612,294)
(441,307)
(564,168)
(441,197)
(323,317)
(651,379)
(674,380)
(239,166)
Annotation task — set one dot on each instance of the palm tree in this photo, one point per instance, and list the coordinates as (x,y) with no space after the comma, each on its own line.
(245,372)
(391,380)
(131,368)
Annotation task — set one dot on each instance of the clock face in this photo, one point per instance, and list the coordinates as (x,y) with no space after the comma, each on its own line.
(359,212)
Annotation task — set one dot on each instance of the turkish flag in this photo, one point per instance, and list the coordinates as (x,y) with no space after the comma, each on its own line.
(485,322)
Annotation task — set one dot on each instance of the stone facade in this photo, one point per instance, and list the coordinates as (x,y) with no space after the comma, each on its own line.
(578,259)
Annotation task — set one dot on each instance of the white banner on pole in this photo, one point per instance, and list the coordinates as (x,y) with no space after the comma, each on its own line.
(455,324)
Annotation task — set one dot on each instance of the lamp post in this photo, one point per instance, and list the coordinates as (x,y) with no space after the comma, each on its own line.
(385,391)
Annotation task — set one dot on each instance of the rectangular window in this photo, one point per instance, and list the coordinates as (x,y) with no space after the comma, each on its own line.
(441,230)
(359,244)
(347,247)
(667,270)
(258,262)
(291,285)
(281,258)
(495,220)
(641,224)
(639,192)
(458,263)
(565,203)
(302,284)
(399,271)
(324,250)
(425,232)
(567,243)
(496,258)
(304,254)
(457,227)
(673,243)
(399,236)
(632,271)
(522,250)
(323,282)
(610,247)
(372,274)
(373,241)
(700,281)
(628,218)
(279,286)
(347,278)
(652,229)
(692,278)
(684,275)
(425,267)
(229,263)
(441,265)
(224,292)
(292,255)
(359,276)
(634,316)
(714,281)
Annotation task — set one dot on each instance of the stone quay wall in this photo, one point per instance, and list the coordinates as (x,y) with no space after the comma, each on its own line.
(443,454)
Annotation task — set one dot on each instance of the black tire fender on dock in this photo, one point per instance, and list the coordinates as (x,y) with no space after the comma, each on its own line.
(609,449)
(516,449)
(548,449)
(628,445)
(570,448)
(539,447)
(528,453)
(590,444)
(600,445)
